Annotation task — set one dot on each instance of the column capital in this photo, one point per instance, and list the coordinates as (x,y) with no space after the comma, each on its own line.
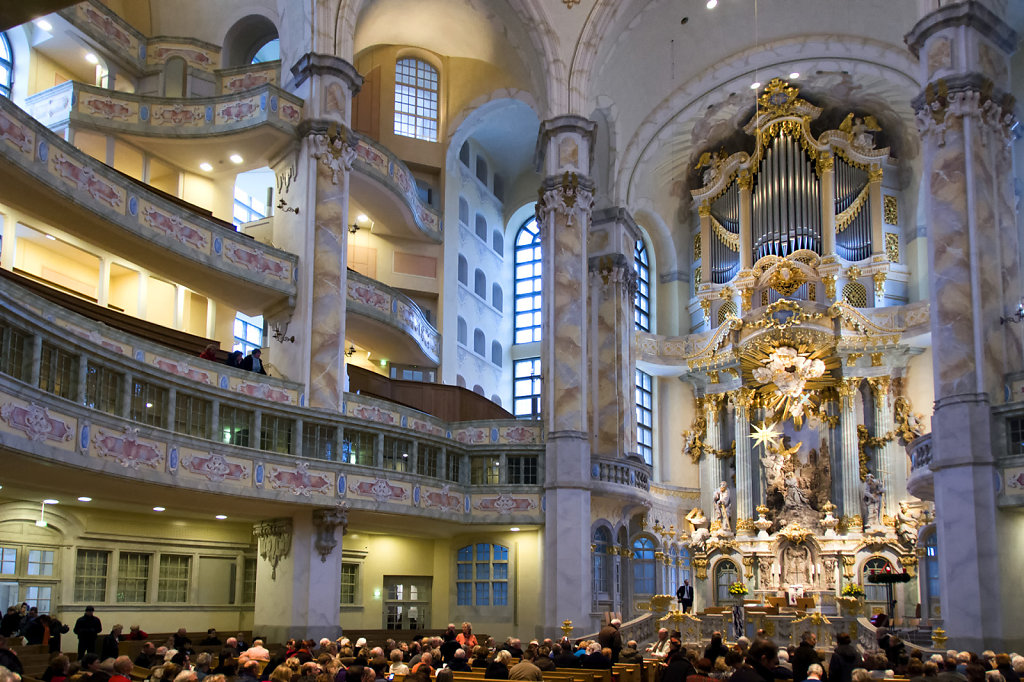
(315,64)
(325,521)
(559,141)
(847,388)
(880,386)
(334,146)
(571,195)
(615,268)
(971,14)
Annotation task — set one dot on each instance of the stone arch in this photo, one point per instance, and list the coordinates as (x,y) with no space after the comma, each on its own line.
(245,37)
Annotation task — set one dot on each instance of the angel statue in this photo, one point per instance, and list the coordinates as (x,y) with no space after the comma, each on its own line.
(859,130)
(906,524)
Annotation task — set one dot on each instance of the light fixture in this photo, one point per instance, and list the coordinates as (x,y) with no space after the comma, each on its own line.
(205,166)
(83,498)
(159,509)
(236,158)
(51,237)
(362,218)
(353,228)
(712,4)
(793,76)
(44,25)
(283,205)
(91,58)
(383,362)
(279,333)
(50,500)
(42,519)
(220,517)
(351,351)
(514,529)
(1018,315)
(755,85)
(405,455)
(149,406)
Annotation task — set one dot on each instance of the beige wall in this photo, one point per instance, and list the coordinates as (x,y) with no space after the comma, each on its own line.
(44,74)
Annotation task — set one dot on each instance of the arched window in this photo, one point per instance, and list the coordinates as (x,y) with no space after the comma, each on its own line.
(6,66)
(496,399)
(464,211)
(460,381)
(684,565)
(602,566)
(481,577)
(498,242)
(526,388)
(269,51)
(464,154)
(643,566)
(480,283)
(463,331)
(479,342)
(725,575)
(528,283)
(496,353)
(876,595)
(931,575)
(478,389)
(481,169)
(416,88)
(499,187)
(481,227)
(644,416)
(642,298)
(463,270)
(497,297)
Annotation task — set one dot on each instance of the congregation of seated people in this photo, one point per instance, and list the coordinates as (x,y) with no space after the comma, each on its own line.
(459,653)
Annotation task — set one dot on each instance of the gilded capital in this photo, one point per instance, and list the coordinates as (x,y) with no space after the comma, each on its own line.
(875,174)
(826,163)
(879,278)
(746,180)
(704,211)
(742,399)
(880,386)
(847,389)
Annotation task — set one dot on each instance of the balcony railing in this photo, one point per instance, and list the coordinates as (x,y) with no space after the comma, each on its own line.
(102,401)
(921,481)
(369,297)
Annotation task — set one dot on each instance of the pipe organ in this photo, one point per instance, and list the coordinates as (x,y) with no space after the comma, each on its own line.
(793,193)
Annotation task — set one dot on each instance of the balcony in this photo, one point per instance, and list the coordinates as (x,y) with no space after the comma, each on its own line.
(376,311)
(47,177)
(921,482)
(79,400)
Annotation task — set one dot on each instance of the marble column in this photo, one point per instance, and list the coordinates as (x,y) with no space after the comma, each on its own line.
(826,171)
(891,462)
(298,584)
(742,399)
(704,214)
(875,203)
(564,218)
(316,180)
(746,184)
(965,119)
(849,453)
(612,365)
(713,466)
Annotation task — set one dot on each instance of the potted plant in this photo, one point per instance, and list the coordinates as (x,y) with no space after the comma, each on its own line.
(737,590)
(851,598)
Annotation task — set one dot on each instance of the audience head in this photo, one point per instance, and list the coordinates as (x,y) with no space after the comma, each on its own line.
(282,673)
(90,662)
(204,660)
(186,676)
(764,653)
(814,670)
(860,675)
(8,676)
(783,656)
(445,675)
(123,665)
(503,657)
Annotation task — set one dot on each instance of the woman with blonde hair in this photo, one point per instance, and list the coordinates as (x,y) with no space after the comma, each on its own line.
(466,638)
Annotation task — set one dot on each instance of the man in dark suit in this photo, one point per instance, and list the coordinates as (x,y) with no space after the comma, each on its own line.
(88,628)
(252,362)
(685,596)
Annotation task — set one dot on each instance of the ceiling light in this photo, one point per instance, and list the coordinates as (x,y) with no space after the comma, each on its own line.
(149,406)
(755,85)
(51,237)
(220,517)
(83,498)
(236,158)
(91,58)
(405,454)
(204,166)
(50,500)
(793,76)
(712,4)
(159,509)
(514,529)
(44,24)
(362,218)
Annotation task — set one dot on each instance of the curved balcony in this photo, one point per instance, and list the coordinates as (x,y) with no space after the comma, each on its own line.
(78,401)
(631,473)
(378,178)
(49,178)
(375,310)
(921,482)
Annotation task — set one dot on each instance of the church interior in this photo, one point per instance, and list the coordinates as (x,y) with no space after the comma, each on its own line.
(746,312)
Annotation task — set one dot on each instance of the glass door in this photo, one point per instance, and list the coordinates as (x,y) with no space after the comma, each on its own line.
(407,602)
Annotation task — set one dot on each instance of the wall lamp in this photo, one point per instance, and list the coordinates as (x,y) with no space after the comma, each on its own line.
(1018,315)
(353,228)
(283,205)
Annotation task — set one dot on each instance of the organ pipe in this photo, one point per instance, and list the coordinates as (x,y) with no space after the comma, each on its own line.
(786,203)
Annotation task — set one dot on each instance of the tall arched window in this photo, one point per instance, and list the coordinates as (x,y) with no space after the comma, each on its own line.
(463,331)
(463,270)
(931,573)
(497,297)
(416,88)
(479,343)
(725,575)
(481,227)
(684,565)
(480,283)
(528,283)
(876,595)
(642,298)
(643,566)
(269,51)
(602,566)
(6,66)
(496,353)
(644,416)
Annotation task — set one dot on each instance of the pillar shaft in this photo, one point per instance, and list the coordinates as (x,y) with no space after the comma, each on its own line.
(742,399)
(826,169)
(850,454)
(891,463)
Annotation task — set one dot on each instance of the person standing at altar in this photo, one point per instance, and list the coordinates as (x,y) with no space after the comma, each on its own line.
(685,596)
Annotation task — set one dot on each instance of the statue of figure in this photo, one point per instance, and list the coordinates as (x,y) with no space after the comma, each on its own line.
(723,505)
(764,568)
(906,524)
(698,539)
(828,568)
(795,497)
(873,490)
(796,562)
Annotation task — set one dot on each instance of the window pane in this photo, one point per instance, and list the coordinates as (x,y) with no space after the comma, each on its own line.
(40,562)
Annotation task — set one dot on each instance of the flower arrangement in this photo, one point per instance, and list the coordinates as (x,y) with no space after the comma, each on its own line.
(852,590)
(738,589)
